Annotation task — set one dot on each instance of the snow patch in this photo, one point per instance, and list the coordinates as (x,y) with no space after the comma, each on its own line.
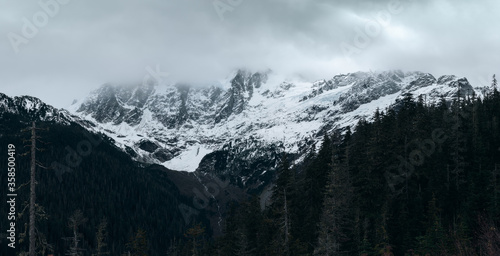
(189,159)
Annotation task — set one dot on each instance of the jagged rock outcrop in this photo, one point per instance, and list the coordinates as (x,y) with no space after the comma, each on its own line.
(185,127)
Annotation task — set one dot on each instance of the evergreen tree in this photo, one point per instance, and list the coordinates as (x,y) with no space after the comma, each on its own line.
(434,241)
(138,244)
(494,83)
(316,176)
(195,235)
(489,237)
(281,202)
(335,219)
(75,221)
(101,235)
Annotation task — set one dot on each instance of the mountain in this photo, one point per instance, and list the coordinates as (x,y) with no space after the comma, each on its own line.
(231,127)
(31,107)
(232,131)
(406,183)
(83,170)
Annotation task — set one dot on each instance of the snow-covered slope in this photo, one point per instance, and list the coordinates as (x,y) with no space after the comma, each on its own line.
(179,125)
(34,109)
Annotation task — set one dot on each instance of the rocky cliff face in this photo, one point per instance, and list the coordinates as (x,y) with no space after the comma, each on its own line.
(32,108)
(234,126)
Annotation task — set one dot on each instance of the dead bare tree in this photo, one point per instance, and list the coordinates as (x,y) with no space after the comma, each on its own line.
(75,221)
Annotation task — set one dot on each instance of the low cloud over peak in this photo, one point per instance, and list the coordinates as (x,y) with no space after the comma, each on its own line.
(75,46)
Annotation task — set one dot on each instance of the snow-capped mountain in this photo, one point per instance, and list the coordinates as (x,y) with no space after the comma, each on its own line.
(33,108)
(187,128)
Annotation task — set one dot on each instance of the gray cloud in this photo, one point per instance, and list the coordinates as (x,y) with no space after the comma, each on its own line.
(86,44)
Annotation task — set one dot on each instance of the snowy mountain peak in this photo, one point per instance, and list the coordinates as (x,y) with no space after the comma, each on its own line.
(32,108)
(178,125)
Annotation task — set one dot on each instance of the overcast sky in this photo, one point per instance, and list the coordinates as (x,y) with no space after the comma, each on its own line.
(61,51)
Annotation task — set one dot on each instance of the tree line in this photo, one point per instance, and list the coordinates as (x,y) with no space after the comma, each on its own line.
(418,179)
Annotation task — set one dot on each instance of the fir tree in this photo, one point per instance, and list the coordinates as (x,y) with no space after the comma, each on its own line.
(101,235)
(281,202)
(195,234)
(494,83)
(335,219)
(138,244)
(75,221)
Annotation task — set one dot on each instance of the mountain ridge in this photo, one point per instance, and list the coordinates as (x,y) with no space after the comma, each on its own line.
(181,121)
(178,125)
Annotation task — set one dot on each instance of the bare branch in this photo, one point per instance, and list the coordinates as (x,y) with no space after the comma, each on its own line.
(41,166)
(22,185)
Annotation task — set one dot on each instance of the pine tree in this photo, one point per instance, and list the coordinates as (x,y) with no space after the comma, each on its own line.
(32,191)
(434,240)
(243,247)
(75,221)
(314,184)
(335,218)
(494,83)
(101,235)
(37,240)
(173,249)
(281,201)
(138,245)
(489,237)
(194,234)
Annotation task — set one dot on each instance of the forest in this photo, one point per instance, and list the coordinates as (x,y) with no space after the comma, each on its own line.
(420,179)
(101,203)
(417,179)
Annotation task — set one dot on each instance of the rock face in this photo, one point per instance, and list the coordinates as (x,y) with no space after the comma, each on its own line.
(243,125)
(236,129)
(236,98)
(32,109)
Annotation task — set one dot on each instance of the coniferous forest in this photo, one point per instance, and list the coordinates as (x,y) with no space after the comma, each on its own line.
(417,179)
(250,128)
(102,194)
